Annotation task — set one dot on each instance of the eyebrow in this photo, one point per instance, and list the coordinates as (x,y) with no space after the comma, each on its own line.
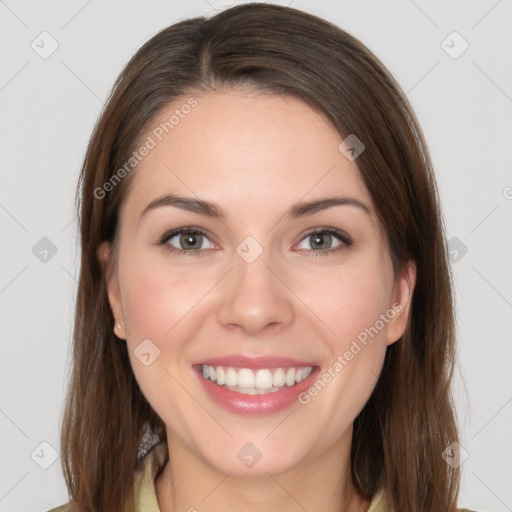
(213,210)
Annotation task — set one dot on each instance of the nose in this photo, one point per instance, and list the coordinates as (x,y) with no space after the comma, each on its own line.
(255,297)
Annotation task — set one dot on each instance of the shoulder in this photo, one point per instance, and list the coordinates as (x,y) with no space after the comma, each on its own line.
(151,461)
(62,508)
(380,503)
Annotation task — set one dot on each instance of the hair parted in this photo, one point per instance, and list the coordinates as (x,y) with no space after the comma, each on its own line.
(410,417)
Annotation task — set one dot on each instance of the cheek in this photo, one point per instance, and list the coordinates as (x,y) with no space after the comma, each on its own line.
(348,301)
(155,301)
(156,297)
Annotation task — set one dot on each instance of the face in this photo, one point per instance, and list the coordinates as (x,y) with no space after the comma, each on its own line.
(313,286)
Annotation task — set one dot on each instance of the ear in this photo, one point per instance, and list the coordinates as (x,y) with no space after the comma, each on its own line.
(401,302)
(104,255)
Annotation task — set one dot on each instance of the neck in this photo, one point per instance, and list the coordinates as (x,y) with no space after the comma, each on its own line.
(188,484)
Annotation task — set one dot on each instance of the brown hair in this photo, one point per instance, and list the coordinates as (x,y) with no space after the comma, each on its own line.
(410,418)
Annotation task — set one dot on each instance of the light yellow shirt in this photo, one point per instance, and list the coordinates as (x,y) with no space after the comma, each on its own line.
(145,497)
(145,494)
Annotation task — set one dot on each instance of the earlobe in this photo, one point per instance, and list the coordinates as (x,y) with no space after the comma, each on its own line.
(401,303)
(104,254)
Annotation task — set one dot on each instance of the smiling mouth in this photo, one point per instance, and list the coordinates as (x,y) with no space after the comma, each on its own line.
(255,382)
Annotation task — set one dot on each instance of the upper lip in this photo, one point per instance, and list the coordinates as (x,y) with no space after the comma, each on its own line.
(255,362)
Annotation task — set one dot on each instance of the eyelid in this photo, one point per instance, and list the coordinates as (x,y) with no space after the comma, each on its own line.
(185,229)
(179,231)
(343,237)
(339,233)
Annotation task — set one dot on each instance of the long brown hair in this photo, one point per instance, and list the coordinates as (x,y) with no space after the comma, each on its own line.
(409,420)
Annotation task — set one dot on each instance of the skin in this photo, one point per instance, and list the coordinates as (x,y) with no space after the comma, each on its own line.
(255,155)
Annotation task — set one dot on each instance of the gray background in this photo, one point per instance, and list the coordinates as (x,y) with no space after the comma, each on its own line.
(49,108)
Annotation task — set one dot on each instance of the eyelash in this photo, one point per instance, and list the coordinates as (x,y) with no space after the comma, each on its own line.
(344,238)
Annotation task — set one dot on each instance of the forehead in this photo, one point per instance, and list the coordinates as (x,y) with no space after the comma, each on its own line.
(247,151)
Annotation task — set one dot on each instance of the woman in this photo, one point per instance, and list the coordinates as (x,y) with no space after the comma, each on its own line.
(224,359)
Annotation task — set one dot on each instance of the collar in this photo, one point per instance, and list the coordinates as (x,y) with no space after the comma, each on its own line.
(154,461)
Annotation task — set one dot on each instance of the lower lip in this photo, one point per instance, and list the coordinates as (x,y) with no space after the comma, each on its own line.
(247,405)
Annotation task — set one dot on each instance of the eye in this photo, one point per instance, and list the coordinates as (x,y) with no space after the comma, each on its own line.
(189,241)
(321,238)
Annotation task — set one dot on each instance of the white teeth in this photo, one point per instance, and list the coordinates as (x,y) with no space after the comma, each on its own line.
(245,378)
(248,391)
(231,377)
(290,377)
(278,378)
(221,376)
(262,381)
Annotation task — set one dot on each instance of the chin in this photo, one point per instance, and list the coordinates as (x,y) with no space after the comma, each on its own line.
(251,460)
